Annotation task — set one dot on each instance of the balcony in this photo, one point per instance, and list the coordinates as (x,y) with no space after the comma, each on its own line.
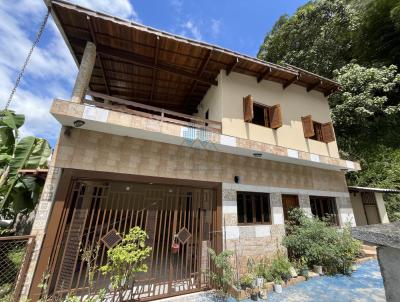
(120,117)
(107,102)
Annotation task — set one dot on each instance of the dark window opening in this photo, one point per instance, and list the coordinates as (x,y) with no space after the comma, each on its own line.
(317,132)
(260,118)
(253,208)
(324,208)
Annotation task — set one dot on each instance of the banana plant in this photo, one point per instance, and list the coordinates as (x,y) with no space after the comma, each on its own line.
(19,193)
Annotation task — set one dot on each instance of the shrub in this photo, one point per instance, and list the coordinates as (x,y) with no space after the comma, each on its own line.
(280,268)
(127,259)
(223,276)
(320,244)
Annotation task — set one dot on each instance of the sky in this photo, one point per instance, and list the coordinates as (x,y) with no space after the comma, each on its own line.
(238,25)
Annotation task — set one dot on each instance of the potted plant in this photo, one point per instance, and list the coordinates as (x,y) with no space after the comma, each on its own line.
(247,281)
(318,269)
(303,268)
(254,294)
(259,272)
(278,285)
(293,272)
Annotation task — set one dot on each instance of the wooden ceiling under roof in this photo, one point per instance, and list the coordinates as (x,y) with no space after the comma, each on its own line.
(149,66)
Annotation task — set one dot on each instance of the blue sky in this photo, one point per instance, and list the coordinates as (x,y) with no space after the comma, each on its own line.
(236,24)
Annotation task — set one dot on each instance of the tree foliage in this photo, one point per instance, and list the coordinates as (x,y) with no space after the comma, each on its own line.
(356,42)
(367,109)
(19,193)
(318,37)
(378,38)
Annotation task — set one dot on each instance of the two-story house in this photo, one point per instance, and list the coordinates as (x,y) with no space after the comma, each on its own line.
(198,145)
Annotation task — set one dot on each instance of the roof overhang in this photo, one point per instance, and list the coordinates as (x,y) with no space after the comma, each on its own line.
(150,66)
(368,189)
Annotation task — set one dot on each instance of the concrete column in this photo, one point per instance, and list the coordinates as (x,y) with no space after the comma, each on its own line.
(345,211)
(85,73)
(304,204)
(276,208)
(380,204)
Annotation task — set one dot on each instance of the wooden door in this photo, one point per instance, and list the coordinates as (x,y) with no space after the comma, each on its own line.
(289,202)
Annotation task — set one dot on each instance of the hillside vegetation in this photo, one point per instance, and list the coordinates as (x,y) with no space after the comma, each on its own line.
(357,43)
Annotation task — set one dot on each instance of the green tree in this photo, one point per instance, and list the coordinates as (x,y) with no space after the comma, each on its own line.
(352,41)
(367,108)
(318,37)
(19,193)
(378,38)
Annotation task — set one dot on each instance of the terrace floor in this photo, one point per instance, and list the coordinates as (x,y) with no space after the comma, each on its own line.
(364,285)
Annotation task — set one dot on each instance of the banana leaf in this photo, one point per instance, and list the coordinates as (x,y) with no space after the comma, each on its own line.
(7,140)
(10,119)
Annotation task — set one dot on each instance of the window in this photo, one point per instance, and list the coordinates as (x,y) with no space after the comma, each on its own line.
(317,131)
(253,208)
(260,114)
(324,208)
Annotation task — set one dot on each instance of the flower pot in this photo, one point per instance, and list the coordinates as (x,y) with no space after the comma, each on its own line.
(278,288)
(259,282)
(175,248)
(304,272)
(263,294)
(318,269)
(254,297)
(293,272)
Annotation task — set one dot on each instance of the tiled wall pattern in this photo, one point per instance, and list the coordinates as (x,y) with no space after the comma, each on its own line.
(254,241)
(41,218)
(96,151)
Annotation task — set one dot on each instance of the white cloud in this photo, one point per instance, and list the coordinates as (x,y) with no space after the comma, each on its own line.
(215,27)
(51,71)
(120,8)
(177,5)
(191,28)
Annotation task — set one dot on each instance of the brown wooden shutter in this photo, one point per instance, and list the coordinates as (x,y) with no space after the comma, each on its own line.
(248,111)
(308,126)
(328,135)
(275,116)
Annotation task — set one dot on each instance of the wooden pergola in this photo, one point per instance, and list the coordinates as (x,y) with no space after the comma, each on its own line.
(145,65)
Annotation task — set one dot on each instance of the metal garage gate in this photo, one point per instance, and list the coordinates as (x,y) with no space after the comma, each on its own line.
(96,211)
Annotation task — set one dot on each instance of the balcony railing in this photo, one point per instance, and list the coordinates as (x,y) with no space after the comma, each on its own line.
(163,115)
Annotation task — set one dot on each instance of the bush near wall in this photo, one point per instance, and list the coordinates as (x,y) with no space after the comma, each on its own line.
(319,243)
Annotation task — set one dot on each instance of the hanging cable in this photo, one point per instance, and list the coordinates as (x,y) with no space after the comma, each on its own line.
(21,73)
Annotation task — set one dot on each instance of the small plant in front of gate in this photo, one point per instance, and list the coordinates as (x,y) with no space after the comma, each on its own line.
(127,259)
(223,275)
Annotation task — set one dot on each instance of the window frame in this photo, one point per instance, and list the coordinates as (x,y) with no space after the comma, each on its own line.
(267,120)
(320,207)
(318,135)
(264,200)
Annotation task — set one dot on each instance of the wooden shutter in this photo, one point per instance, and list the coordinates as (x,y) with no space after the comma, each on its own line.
(308,126)
(328,135)
(275,116)
(248,111)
